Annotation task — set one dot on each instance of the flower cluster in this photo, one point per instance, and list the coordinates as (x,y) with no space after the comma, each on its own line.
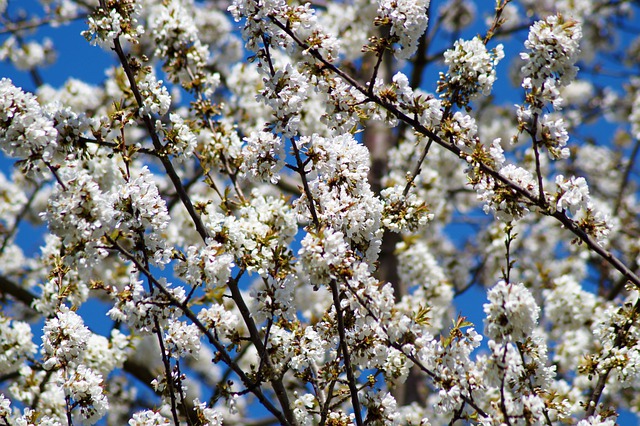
(408,20)
(471,70)
(143,310)
(16,344)
(181,140)
(26,131)
(156,98)
(553,46)
(27,56)
(573,195)
(209,265)
(141,214)
(341,195)
(177,43)
(512,313)
(403,212)
(263,156)
(119,19)
(549,64)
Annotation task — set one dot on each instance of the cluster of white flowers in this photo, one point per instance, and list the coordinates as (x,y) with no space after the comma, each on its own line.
(139,210)
(209,265)
(403,212)
(80,213)
(554,136)
(408,20)
(207,416)
(597,421)
(342,196)
(176,39)
(263,156)
(119,19)
(553,49)
(221,321)
(462,130)
(340,101)
(255,237)
(142,310)
(324,255)
(65,339)
(300,19)
(302,407)
(448,358)
(84,387)
(502,200)
(285,92)
(16,342)
(148,418)
(623,361)
(70,126)
(27,56)
(26,132)
(155,96)
(512,312)
(181,140)
(382,406)
(553,46)
(181,339)
(5,406)
(220,146)
(517,367)
(509,371)
(572,194)
(471,70)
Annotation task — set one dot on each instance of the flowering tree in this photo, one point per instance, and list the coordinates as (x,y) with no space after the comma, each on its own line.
(267,196)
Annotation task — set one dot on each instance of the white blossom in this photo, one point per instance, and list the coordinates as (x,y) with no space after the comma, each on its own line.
(471,68)
(220,320)
(553,46)
(118,19)
(29,55)
(26,131)
(85,389)
(155,96)
(65,339)
(148,418)
(408,21)
(263,156)
(209,416)
(16,343)
(182,140)
(182,338)
(512,313)
(573,194)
